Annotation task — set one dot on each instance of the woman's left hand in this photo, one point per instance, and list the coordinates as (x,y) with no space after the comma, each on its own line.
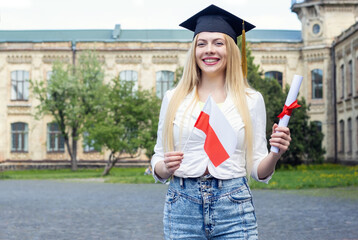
(280,138)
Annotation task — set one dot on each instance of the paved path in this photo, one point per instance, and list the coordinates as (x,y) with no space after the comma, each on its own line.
(59,210)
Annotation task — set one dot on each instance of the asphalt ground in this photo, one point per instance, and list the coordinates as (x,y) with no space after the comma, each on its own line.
(76,210)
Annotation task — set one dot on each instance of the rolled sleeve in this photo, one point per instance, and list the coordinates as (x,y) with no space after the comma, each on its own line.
(158,148)
(258,116)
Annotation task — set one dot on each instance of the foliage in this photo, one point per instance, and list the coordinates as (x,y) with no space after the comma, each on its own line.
(125,123)
(306,144)
(288,177)
(178,75)
(69,96)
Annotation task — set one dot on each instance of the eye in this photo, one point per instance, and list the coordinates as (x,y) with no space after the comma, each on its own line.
(219,43)
(200,44)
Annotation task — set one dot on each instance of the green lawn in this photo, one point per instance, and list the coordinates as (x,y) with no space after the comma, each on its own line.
(117,175)
(302,177)
(312,176)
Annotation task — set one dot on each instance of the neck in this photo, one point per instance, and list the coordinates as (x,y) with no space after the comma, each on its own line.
(213,85)
(212,82)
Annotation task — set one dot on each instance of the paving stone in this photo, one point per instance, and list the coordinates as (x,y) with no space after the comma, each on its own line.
(64,210)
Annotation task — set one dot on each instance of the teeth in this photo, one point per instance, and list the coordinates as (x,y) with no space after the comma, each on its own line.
(210,60)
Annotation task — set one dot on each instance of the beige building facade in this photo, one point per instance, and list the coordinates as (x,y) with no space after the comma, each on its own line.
(325,52)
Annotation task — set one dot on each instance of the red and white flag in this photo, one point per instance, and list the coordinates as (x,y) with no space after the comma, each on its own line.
(221,140)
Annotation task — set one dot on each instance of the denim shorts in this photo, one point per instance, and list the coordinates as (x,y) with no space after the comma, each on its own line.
(208,208)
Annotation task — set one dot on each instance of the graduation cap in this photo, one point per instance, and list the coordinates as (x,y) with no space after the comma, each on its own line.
(215,19)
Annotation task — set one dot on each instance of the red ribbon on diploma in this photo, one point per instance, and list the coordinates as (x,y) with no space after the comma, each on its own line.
(287,110)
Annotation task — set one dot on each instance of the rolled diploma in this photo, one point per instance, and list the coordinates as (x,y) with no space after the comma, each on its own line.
(291,97)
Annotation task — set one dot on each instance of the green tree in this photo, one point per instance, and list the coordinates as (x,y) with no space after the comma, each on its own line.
(126,123)
(178,74)
(69,96)
(306,144)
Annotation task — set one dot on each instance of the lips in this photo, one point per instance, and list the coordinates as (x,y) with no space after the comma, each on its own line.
(211,61)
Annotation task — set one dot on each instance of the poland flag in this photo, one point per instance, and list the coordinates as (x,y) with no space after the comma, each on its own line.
(221,140)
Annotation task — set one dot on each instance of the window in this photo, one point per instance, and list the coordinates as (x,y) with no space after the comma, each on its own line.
(48,78)
(165,81)
(356,133)
(350,78)
(350,135)
(276,75)
(19,137)
(19,85)
(341,136)
(129,75)
(316,28)
(342,81)
(55,139)
(318,125)
(356,74)
(317,86)
(88,146)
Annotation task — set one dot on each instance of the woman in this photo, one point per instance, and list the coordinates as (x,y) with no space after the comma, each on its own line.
(205,201)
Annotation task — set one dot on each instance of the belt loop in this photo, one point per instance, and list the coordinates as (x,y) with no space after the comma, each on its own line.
(220,183)
(181,180)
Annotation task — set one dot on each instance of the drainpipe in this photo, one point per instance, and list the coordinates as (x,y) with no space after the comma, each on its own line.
(333,57)
(73,47)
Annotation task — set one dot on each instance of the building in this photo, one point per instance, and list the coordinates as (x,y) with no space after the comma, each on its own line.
(325,52)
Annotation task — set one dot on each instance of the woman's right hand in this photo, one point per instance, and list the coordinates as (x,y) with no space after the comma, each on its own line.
(172,161)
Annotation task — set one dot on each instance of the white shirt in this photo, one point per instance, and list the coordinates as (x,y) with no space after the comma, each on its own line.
(195,159)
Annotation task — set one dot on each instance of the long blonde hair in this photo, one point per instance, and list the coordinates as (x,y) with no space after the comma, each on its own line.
(235,84)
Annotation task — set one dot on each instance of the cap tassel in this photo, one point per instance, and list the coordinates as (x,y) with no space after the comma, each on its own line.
(243,51)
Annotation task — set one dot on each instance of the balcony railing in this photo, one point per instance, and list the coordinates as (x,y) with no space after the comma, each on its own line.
(296,1)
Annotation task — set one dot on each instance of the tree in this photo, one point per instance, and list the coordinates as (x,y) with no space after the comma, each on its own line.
(178,75)
(306,144)
(69,96)
(126,123)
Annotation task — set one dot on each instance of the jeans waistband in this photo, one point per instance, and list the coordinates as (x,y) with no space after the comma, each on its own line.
(208,180)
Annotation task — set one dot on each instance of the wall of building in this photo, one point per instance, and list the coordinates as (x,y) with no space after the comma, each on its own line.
(346,52)
(145,58)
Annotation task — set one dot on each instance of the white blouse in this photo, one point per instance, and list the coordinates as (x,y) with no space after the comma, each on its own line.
(195,159)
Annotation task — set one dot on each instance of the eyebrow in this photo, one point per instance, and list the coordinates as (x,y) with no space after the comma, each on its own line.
(215,39)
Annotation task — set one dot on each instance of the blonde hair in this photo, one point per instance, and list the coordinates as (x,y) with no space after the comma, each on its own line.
(235,84)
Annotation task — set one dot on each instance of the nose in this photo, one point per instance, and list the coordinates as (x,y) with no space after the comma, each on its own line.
(209,48)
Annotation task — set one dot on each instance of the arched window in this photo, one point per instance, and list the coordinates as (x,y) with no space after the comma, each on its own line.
(317,86)
(19,137)
(356,75)
(356,143)
(341,136)
(19,85)
(350,135)
(165,81)
(55,139)
(350,79)
(342,81)
(276,75)
(130,75)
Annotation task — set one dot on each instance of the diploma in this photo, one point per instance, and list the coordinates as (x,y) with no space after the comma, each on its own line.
(290,104)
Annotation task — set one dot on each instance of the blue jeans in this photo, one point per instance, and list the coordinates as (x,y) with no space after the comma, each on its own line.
(208,208)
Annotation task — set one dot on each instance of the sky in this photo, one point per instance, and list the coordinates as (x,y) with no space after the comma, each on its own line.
(136,14)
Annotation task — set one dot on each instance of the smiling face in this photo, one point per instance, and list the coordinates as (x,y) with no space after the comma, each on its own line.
(210,53)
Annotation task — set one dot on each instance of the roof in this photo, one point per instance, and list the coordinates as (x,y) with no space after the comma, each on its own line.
(293,36)
(134,35)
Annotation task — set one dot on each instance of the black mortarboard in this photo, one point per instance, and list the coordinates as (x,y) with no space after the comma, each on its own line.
(215,19)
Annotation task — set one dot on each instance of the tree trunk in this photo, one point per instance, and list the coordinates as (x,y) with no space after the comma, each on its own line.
(112,160)
(74,150)
(67,142)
